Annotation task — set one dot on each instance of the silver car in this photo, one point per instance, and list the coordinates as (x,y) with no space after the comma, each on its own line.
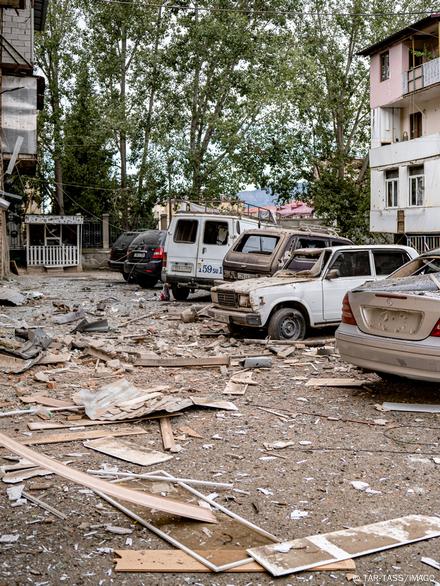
(392,326)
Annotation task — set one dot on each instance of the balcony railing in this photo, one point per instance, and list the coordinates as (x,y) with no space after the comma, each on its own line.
(420,77)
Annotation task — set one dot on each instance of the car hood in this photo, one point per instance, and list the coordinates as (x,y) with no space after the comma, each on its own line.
(248,285)
(418,283)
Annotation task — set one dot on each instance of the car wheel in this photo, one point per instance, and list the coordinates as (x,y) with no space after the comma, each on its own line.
(147,283)
(387,376)
(287,324)
(125,275)
(180,293)
(235,329)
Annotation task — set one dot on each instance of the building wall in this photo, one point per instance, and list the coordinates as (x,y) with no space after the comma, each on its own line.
(418,219)
(18,30)
(390,90)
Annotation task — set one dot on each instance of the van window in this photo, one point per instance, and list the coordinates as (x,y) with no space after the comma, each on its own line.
(387,261)
(186,231)
(216,233)
(254,244)
(311,243)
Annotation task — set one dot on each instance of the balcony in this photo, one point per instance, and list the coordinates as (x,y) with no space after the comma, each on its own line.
(421,77)
(404,151)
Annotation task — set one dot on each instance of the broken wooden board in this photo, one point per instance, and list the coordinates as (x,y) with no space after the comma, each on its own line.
(411,407)
(179,362)
(171,560)
(213,404)
(129,452)
(12,365)
(335,382)
(234,388)
(75,436)
(37,426)
(47,401)
(166,432)
(158,503)
(309,552)
(189,431)
(51,358)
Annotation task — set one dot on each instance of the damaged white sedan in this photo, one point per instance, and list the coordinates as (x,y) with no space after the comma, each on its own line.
(288,303)
(393,327)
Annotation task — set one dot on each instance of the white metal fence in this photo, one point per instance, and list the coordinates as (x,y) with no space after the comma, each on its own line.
(423,243)
(52,256)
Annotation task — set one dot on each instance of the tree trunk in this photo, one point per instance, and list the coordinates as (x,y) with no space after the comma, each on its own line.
(123,133)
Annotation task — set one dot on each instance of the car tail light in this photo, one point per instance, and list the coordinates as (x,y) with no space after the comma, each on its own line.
(158,253)
(436,330)
(164,259)
(347,314)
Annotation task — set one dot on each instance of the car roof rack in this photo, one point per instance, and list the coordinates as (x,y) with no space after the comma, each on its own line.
(317,228)
(226,207)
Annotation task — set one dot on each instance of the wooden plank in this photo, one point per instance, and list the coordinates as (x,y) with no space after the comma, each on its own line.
(158,503)
(38,426)
(184,362)
(309,552)
(167,434)
(75,436)
(235,388)
(171,560)
(189,431)
(127,451)
(47,401)
(335,382)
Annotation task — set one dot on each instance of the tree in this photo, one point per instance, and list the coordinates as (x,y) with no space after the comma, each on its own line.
(55,51)
(88,163)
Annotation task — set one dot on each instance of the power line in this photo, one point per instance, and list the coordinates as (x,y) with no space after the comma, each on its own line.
(270,12)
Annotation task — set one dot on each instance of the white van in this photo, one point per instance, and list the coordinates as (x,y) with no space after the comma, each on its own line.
(195,246)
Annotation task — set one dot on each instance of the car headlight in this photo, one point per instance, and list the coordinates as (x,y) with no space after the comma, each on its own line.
(244,301)
(214,296)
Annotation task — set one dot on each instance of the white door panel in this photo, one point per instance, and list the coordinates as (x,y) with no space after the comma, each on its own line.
(214,242)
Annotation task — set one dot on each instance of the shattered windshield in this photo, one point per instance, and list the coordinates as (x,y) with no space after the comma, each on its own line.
(423,265)
(315,258)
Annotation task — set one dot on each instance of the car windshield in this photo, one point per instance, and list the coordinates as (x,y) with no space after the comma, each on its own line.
(422,265)
(321,256)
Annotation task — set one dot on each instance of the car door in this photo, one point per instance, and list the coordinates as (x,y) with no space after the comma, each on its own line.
(182,247)
(346,270)
(215,239)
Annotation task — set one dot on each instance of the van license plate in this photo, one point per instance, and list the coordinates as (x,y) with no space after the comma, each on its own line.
(138,254)
(246,276)
(181,267)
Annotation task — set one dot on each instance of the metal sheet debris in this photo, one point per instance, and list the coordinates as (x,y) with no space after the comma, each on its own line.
(411,407)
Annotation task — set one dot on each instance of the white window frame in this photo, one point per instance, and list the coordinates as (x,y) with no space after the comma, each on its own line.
(393,184)
(414,182)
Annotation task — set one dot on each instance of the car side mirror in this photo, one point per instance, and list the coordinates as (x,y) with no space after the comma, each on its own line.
(333,274)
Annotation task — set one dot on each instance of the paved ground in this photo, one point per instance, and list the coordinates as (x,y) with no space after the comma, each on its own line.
(336,433)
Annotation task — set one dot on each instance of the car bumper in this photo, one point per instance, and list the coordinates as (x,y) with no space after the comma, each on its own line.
(116,265)
(251,320)
(147,269)
(415,360)
(190,282)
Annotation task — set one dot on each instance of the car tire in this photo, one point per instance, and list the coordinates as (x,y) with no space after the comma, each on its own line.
(180,293)
(235,329)
(147,283)
(125,275)
(287,324)
(388,377)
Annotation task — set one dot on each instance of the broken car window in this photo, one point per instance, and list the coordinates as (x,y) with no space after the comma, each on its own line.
(352,264)
(423,265)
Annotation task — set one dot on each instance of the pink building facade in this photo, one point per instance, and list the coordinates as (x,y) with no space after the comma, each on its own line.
(405,134)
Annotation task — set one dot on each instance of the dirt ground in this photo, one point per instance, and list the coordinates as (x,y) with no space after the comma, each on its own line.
(337,435)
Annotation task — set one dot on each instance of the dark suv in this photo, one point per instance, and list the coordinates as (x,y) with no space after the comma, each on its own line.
(262,252)
(144,258)
(118,252)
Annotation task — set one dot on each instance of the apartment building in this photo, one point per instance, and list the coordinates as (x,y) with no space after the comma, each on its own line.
(405,134)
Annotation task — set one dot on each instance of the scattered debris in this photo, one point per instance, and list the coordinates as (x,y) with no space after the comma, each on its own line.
(335,382)
(184,362)
(10,296)
(150,501)
(257,362)
(85,326)
(74,436)
(363,487)
(431,562)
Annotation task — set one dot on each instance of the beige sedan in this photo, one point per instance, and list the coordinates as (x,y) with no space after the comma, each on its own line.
(392,326)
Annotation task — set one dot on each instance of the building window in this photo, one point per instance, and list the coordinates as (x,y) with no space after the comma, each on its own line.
(385,66)
(416,185)
(391,187)
(415,125)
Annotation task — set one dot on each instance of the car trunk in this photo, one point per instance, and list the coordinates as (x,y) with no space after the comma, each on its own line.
(397,314)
